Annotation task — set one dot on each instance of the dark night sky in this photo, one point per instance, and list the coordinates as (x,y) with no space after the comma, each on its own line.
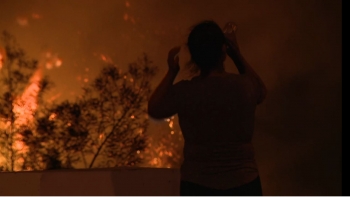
(295,45)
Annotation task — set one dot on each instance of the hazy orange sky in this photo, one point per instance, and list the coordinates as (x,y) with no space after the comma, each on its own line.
(295,45)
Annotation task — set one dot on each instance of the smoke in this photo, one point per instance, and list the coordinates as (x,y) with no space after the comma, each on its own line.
(294,45)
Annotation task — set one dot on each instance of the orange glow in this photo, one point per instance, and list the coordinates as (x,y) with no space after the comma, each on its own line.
(105,58)
(1,60)
(54,97)
(49,65)
(127,4)
(52,116)
(36,16)
(22,21)
(126,16)
(58,62)
(132,20)
(23,108)
(51,60)
(18,145)
(164,153)
(2,56)
(25,105)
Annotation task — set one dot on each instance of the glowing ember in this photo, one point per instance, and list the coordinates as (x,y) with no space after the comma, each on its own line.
(164,153)
(58,62)
(22,21)
(52,116)
(105,58)
(49,65)
(36,16)
(51,60)
(54,97)
(127,4)
(126,16)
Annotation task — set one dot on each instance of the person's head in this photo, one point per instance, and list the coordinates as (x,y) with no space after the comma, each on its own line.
(206,45)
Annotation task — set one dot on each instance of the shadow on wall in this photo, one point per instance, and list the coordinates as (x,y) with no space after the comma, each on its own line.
(298,143)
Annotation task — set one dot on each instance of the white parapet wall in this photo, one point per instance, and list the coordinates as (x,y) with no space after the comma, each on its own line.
(96,182)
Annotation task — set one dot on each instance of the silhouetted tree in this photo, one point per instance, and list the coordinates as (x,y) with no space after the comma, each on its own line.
(104,127)
(20,92)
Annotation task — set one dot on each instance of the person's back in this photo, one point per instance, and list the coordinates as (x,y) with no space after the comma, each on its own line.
(216,114)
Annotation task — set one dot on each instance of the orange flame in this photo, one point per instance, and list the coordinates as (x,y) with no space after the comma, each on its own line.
(2,57)
(26,104)
(164,153)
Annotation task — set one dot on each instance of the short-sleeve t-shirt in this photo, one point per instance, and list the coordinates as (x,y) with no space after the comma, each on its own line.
(216,116)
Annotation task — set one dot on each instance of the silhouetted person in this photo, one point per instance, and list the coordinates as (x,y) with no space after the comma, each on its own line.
(216,114)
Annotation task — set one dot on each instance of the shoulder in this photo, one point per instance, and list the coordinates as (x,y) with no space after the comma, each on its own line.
(182,83)
(180,86)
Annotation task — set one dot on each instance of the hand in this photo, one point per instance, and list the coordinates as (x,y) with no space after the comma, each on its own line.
(173,59)
(231,41)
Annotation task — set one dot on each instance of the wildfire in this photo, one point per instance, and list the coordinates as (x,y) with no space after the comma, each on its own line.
(23,108)
(164,153)
(2,57)
(26,104)
(1,61)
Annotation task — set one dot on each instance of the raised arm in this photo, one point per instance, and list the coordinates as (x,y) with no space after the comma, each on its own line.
(160,104)
(243,66)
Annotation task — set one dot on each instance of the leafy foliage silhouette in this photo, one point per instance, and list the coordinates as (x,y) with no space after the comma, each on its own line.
(104,127)
(16,73)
